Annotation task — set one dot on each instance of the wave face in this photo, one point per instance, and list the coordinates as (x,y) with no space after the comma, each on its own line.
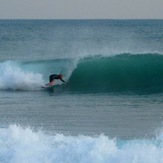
(121,73)
(18,144)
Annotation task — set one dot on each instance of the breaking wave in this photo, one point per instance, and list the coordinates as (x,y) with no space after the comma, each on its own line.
(137,73)
(22,144)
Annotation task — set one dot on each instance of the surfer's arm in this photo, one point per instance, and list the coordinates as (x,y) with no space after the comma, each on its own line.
(62,80)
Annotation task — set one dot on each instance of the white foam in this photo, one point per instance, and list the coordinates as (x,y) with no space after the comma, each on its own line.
(19,144)
(13,77)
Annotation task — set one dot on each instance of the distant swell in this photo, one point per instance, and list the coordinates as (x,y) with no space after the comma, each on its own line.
(121,73)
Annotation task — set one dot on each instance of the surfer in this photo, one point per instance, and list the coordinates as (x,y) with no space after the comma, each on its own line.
(53,77)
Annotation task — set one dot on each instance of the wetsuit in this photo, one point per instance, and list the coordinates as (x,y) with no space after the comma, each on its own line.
(55,76)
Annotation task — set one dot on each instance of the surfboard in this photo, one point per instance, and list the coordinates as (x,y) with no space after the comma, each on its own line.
(48,87)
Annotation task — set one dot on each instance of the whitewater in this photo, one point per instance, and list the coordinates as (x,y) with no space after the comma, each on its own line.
(109,109)
(24,145)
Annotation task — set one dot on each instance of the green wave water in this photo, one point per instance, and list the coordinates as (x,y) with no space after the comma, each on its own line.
(121,73)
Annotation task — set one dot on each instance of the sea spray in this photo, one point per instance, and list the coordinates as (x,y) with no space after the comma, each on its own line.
(13,77)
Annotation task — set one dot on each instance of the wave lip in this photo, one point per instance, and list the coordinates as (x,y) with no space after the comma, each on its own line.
(121,73)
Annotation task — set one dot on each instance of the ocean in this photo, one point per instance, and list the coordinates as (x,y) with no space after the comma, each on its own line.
(109,110)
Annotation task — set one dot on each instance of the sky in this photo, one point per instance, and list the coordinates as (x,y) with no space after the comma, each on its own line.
(81,9)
